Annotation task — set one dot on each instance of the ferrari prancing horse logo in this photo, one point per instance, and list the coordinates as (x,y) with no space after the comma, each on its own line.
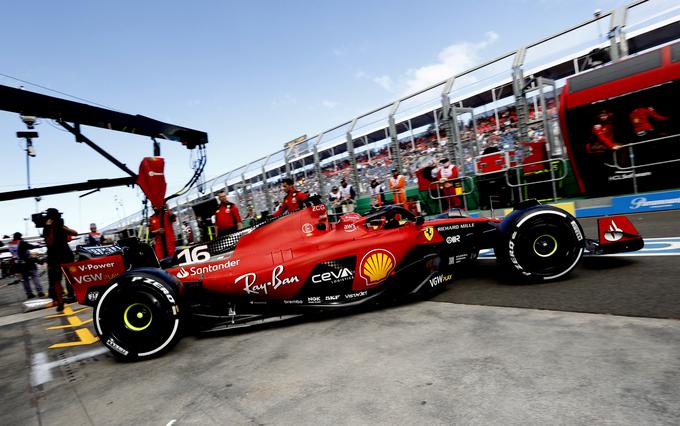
(429,233)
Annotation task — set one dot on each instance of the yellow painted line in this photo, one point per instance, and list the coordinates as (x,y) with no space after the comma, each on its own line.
(569,207)
(85,337)
(73,322)
(68,312)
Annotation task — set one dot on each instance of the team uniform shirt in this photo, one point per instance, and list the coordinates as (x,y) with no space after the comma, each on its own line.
(346,192)
(291,202)
(227,217)
(605,134)
(376,194)
(167,238)
(93,239)
(639,118)
(450,172)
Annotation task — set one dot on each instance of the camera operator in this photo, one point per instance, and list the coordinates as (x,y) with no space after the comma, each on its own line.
(56,236)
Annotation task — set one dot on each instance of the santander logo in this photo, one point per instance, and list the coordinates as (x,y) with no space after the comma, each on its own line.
(182,273)
(614,233)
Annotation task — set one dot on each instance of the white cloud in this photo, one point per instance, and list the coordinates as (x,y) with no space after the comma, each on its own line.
(384,81)
(283,101)
(360,75)
(329,104)
(451,60)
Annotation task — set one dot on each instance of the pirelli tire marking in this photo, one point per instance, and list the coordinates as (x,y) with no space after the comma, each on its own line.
(511,243)
(111,343)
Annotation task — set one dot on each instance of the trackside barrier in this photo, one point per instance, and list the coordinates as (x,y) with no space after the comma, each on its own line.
(633,165)
(551,166)
(460,191)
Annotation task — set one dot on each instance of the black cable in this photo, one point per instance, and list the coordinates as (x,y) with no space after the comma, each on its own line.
(57,91)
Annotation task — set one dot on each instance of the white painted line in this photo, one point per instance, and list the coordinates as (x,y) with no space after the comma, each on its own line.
(39,372)
(41,369)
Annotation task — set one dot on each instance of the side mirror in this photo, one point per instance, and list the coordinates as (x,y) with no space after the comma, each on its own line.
(321,226)
(420,220)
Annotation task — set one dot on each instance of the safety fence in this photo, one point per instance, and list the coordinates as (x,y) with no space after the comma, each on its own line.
(489,107)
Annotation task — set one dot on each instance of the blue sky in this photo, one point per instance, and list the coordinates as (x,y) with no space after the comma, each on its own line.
(251,74)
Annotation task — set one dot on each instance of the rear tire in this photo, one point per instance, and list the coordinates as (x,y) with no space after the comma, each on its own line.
(541,244)
(138,316)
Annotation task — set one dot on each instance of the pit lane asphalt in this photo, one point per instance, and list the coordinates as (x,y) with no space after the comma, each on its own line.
(424,362)
(645,286)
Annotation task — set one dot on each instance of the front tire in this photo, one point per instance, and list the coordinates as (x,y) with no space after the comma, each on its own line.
(138,316)
(541,244)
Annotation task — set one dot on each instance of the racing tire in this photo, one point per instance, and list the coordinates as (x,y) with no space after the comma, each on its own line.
(540,244)
(138,316)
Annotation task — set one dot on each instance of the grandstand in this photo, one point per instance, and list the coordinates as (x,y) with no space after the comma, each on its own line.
(510,103)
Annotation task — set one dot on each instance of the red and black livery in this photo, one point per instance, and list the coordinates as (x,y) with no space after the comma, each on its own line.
(301,263)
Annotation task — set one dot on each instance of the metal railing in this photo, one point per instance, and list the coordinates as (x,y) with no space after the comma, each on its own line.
(634,166)
(552,163)
(438,186)
(383,130)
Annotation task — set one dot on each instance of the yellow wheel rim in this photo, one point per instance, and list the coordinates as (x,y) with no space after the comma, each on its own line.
(545,245)
(137,317)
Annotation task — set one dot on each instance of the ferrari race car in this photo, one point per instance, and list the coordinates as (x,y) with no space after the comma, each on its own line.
(302,263)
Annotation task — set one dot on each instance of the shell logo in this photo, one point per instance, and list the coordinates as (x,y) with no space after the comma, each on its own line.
(376,266)
(72,269)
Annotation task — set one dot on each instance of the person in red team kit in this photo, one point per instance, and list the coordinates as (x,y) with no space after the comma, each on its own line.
(293,199)
(160,227)
(227,216)
(446,173)
(603,131)
(639,118)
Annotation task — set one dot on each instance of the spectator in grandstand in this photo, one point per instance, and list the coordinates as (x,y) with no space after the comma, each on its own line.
(446,175)
(292,200)
(227,217)
(377,191)
(25,265)
(56,236)
(347,196)
(335,198)
(93,238)
(397,185)
(160,227)
(639,119)
(188,232)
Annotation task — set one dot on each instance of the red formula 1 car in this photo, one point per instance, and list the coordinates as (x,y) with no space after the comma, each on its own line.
(302,263)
